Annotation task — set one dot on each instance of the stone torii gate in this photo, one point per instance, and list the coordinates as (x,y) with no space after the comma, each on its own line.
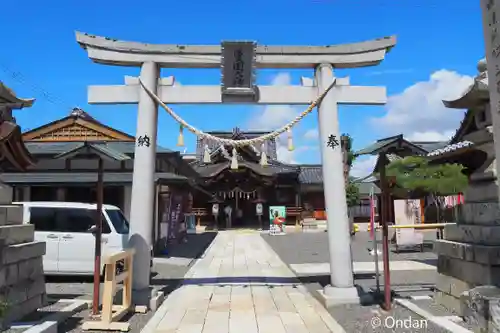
(151,57)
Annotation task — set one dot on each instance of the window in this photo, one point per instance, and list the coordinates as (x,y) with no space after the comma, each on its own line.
(65,219)
(119,221)
(43,218)
(79,220)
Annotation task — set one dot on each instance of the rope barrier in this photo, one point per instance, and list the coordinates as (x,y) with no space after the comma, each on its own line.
(238,143)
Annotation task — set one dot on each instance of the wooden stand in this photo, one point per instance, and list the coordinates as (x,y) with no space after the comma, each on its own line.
(111,314)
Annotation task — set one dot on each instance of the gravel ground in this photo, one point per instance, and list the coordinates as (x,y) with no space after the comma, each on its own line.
(370,319)
(439,310)
(299,248)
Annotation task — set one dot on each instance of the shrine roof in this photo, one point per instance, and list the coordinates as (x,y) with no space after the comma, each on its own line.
(81,177)
(451,148)
(311,174)
(397,144)
(7,96)
(274,168)
(77,126)
(476,93)
(94,149)
(55,148)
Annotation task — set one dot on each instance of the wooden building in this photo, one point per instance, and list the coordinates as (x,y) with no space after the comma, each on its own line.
(397,147)
(53,179)
(297,187)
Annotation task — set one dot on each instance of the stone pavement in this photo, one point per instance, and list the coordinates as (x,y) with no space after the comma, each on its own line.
(241,285)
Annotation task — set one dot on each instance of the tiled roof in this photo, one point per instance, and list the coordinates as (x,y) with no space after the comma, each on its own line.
(54,148)
(96,149)
(449,148)
(311,174)
(274,167)
(388,144)
(79,177)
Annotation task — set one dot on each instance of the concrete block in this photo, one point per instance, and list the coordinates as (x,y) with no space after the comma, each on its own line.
(11,274)
(483,254)
(470,233)
(15,253)
(453,249)
(17,311)
(16,234)
(14,294)
(35,287)
(481,192)
(482,308)
(470,272)
(11,214)
(6,193)
(448,301)
(451,285)
(15,214)
(30,269)
(481,213)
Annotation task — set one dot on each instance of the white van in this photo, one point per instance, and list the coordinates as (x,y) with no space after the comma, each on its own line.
(67,228)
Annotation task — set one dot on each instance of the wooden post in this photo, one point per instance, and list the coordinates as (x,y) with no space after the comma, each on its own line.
(98,235)
(385,232)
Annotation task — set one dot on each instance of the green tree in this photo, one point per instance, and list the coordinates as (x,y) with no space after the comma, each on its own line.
(418,177)
(352,193)
(351,188)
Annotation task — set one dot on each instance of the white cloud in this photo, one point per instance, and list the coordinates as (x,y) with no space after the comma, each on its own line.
(312,134)
(272,117)
(430,136)
(363,166)
(418,112)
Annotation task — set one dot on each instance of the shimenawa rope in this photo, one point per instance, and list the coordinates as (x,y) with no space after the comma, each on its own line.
(238,143)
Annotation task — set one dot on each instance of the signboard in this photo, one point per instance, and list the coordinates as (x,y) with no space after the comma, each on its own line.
(491,27)
(215,209)
(259,209)
(165,202)
(408,212)
(238,71)
(276,212)
(175,215)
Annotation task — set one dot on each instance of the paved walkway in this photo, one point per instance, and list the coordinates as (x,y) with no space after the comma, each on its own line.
(241,286)
(362,267)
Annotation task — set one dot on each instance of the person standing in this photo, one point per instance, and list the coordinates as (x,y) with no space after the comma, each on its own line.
(228,211)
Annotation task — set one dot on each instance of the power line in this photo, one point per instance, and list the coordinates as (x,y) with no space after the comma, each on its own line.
(37,90)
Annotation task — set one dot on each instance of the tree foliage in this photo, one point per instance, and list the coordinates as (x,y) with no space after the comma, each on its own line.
(414,173)
(352,193)
(352,189)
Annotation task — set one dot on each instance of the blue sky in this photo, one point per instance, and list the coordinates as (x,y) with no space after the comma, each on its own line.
(435,39)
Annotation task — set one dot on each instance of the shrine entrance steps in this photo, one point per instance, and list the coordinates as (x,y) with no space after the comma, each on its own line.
(240,285)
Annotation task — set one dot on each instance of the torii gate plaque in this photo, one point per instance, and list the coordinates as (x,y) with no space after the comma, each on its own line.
(322,59)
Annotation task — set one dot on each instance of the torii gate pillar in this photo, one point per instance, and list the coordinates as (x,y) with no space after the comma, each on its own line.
(342,288)
(141,207)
